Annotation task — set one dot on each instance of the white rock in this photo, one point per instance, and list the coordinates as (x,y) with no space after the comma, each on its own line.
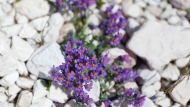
(167,13)
(182,62)
(33,77)
(68,16)
(174,20)
(12,30)
(171,72)
(114,1)
(21,49)
(159,96)
(149,91)
(133,11)
(148,103)
(8,64)
(22,70)
(32,8)
(71,103)
(176,105)
(167,42)
(51,31)
(132,85)
(157,86)
(3,97)
(115,53)
(21,19)
(9,79)
(58,90)
(2,13)
(153,2)
(149,76)
(27,31)
(24,99)
(133,25)
(39,91)
(2,90)
(6,7)
(149,16)
(7,21)
(125,6)
(94,93)
(155,10)
(94,20)
(166,102)
(12,97)
(181,4)
(4,104)
(163,4)
(181,13)
(40,23)
(14,89)
(64,30)
(3,1)
(185,23)
(11,1)
(141,3)
(181,92)
(42,60)
(25,83)
(44,102)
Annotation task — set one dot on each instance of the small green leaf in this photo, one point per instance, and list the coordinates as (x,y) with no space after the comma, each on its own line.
(46,83)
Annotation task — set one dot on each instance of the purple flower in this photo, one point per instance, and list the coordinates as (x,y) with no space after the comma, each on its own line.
(86,64)
(79,86)
(54,72)
(57,104)
(119,35)
(70,86)
(83,95)
(108,10)
(83,51)
(59,79)
(89,101)
(93,65)
(70,57)
(115,41)
(105,60)
(59,3)
(122,23)
(79,43)
(69,45)
(79,65)
(70,75)
(83,4)
(102,71)
(125,58)
(114,68)
(107,103)
(91,2)
(118,77)
(85,78)
(93,56)
(94,75)
(88,86)
(64,66)
(128,92)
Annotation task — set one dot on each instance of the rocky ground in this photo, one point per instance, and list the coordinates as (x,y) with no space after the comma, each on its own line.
(157,39)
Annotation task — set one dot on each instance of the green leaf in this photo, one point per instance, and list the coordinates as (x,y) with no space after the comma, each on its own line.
(46,83)
(102,85)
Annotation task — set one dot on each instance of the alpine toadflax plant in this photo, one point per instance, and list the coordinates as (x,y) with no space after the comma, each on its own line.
(114,23)
(80,68)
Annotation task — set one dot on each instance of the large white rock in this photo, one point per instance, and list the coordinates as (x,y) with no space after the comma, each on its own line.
(7,20)
(2,90)
(6,7)
(43,59)
(25,83)
(94,93)
(24,99)
(115,53)
(171,72)
(21,19)
(94,20)
(32,8)
(132,85)
(4,104)
(14,89)
(8,64)
(133,11)
(149,76)
(181,4)
(58,93)
(157,86)
(3,97)
(21,49)
(182,62)
(43,102)
(166,102)
(12,30)
(181,92)
(22,70)
(40,23)
(160,44)
(174,20)
(132,26)
(39,91)
(149,91)
(9,79)
(51,31)
(28,31)
(71,103)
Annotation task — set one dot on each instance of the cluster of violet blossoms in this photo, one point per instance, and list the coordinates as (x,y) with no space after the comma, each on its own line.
(73,4)
(133,97)
(80,68)
(114,23)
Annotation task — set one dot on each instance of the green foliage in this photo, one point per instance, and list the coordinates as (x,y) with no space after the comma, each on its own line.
(99,3)
(46,83)
(103,97)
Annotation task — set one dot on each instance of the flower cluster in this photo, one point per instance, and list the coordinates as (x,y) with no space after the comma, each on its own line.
(133,97)
(73,4)
(80,68)
(114,23)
